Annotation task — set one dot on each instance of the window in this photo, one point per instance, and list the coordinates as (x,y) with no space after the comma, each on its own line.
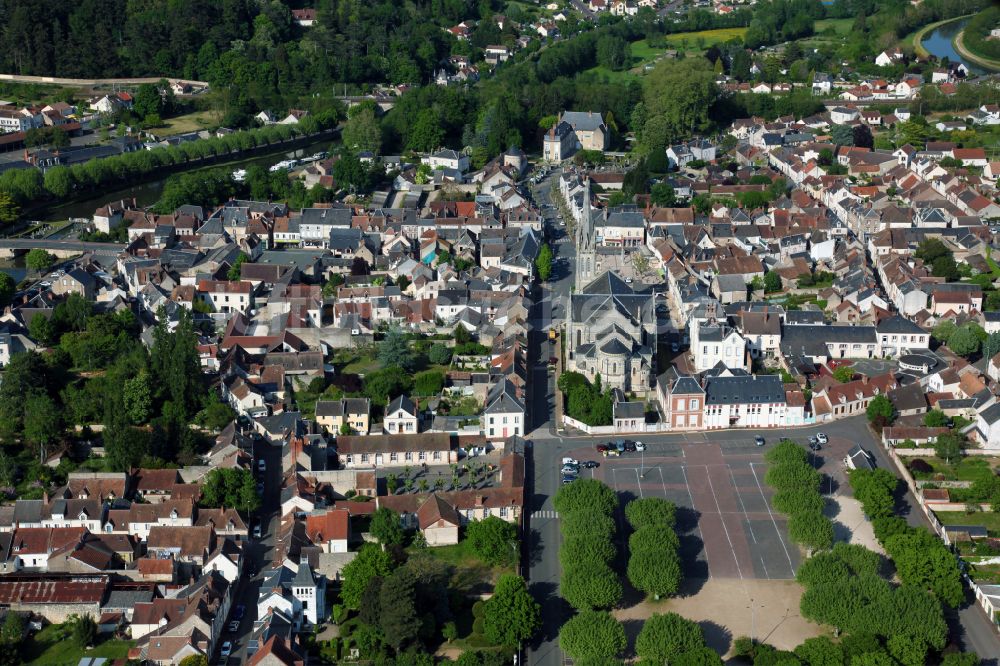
(393,456)
(503,512)
(492,420)
(409,456)
(491,432)
(437,455)
(364,457)
(680,403)
(350,459)
(694,403)
(422,455)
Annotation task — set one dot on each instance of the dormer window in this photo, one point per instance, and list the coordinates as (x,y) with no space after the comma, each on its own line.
(82,516)
(173,513)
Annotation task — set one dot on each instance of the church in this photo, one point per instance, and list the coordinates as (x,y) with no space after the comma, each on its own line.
(611,327)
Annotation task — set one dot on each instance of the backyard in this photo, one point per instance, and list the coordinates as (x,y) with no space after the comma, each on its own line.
(987,519)
(51,646)
(189,122)
(969,468)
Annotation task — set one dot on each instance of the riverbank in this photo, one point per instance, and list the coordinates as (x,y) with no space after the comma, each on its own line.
(985,63)
(918,37)
(90,199)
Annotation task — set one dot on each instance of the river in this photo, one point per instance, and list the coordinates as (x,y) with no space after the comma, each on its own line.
(147,194)
(938,43)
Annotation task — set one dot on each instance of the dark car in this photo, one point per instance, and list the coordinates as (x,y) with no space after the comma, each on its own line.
(568,479)
(590,464)
(630,446)
(601,448)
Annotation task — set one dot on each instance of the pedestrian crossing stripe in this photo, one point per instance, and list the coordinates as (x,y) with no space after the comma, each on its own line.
(544,514)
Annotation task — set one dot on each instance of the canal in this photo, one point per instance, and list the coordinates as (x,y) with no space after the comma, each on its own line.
(939,44)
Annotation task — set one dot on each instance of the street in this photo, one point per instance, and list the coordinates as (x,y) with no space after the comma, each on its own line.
(259,553)
(970,628)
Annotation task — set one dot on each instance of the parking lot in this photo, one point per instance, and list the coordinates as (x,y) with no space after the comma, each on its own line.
(727,526)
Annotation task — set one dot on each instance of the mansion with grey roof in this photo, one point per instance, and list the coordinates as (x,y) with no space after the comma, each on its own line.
(573,131)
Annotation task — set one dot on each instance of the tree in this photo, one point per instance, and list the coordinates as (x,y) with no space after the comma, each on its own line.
(234,271)
(788,476)
(399,618)
(394,350)
(386,527)
(678,96)
(9,210)
(362,131)
(843,374)
(42,423)
(439,354)
(511,615)
(875,490)
(772,282)
(12,630)
(194,660)
(650,511)
(662,194)
(862,136)
(943,331)
(590,584)
(842,135)
(383,385)
(429,382)
(138,398)
(586,494)
(493,539)
(964,341)
(880,409)
(461,334)
(820,651)
(948,446)
(38,260)
(924,562)
(543,263)
(960,659)
(82,629)
(935,418)
(656,572)
(592,635)
(7,289)
(59,181)
(811,529)
(665,636)
(370,562)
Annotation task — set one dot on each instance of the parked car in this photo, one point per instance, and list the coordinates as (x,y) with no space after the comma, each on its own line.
(674,347)
(639,446)
(234,626)
(601,448)
(256,531)
(612,452)
(261,465)
(569,469)
(227,649)
(758,440)
(631,446)
(822,438)
(591,464)
(571,461)
(569,479)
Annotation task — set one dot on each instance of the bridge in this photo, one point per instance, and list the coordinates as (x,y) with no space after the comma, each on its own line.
(64,249)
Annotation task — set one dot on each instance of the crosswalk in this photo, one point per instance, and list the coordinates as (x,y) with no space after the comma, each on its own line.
(544,514)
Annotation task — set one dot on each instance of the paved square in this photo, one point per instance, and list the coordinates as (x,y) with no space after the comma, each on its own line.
(727,525)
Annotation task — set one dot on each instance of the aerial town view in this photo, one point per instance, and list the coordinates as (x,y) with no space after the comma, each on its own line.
(500,332)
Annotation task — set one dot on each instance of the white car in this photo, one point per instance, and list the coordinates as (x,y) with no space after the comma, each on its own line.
(571,461)
(261,465)
(639,446)
(227,649)
(821,437)
(256,531)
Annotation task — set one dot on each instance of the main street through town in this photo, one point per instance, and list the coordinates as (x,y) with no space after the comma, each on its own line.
(970,628)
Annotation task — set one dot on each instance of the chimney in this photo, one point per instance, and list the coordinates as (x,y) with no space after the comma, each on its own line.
(864,379)
(479,500)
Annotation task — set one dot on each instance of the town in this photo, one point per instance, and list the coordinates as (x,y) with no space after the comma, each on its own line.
(695,360)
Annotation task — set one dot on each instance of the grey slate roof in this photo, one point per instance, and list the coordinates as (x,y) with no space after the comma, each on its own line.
(744,390)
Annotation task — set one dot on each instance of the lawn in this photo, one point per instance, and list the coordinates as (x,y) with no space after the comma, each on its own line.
(50,646)
(840,26)
(471,575)
(357,363)
(604,73)
(987,519)
(189,122)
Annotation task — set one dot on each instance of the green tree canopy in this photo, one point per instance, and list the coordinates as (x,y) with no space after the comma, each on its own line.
(591,584)
(586,494)
(880,409)
(494,540)
(370,562)
(386,527)
(592,635)
(650,511)
(543,263)
(38,260)
(511,615)
(665,636)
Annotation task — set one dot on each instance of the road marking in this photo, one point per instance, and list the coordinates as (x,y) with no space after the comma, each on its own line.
(773,521)
(724,528)
(546,513)
(753,536)
(701,535)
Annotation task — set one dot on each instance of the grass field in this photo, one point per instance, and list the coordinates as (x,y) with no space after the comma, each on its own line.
(189,122)
(696,41)
(610,75)
(840,26)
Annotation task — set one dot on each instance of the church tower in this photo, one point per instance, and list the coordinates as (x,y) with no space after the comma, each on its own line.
(586,255)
